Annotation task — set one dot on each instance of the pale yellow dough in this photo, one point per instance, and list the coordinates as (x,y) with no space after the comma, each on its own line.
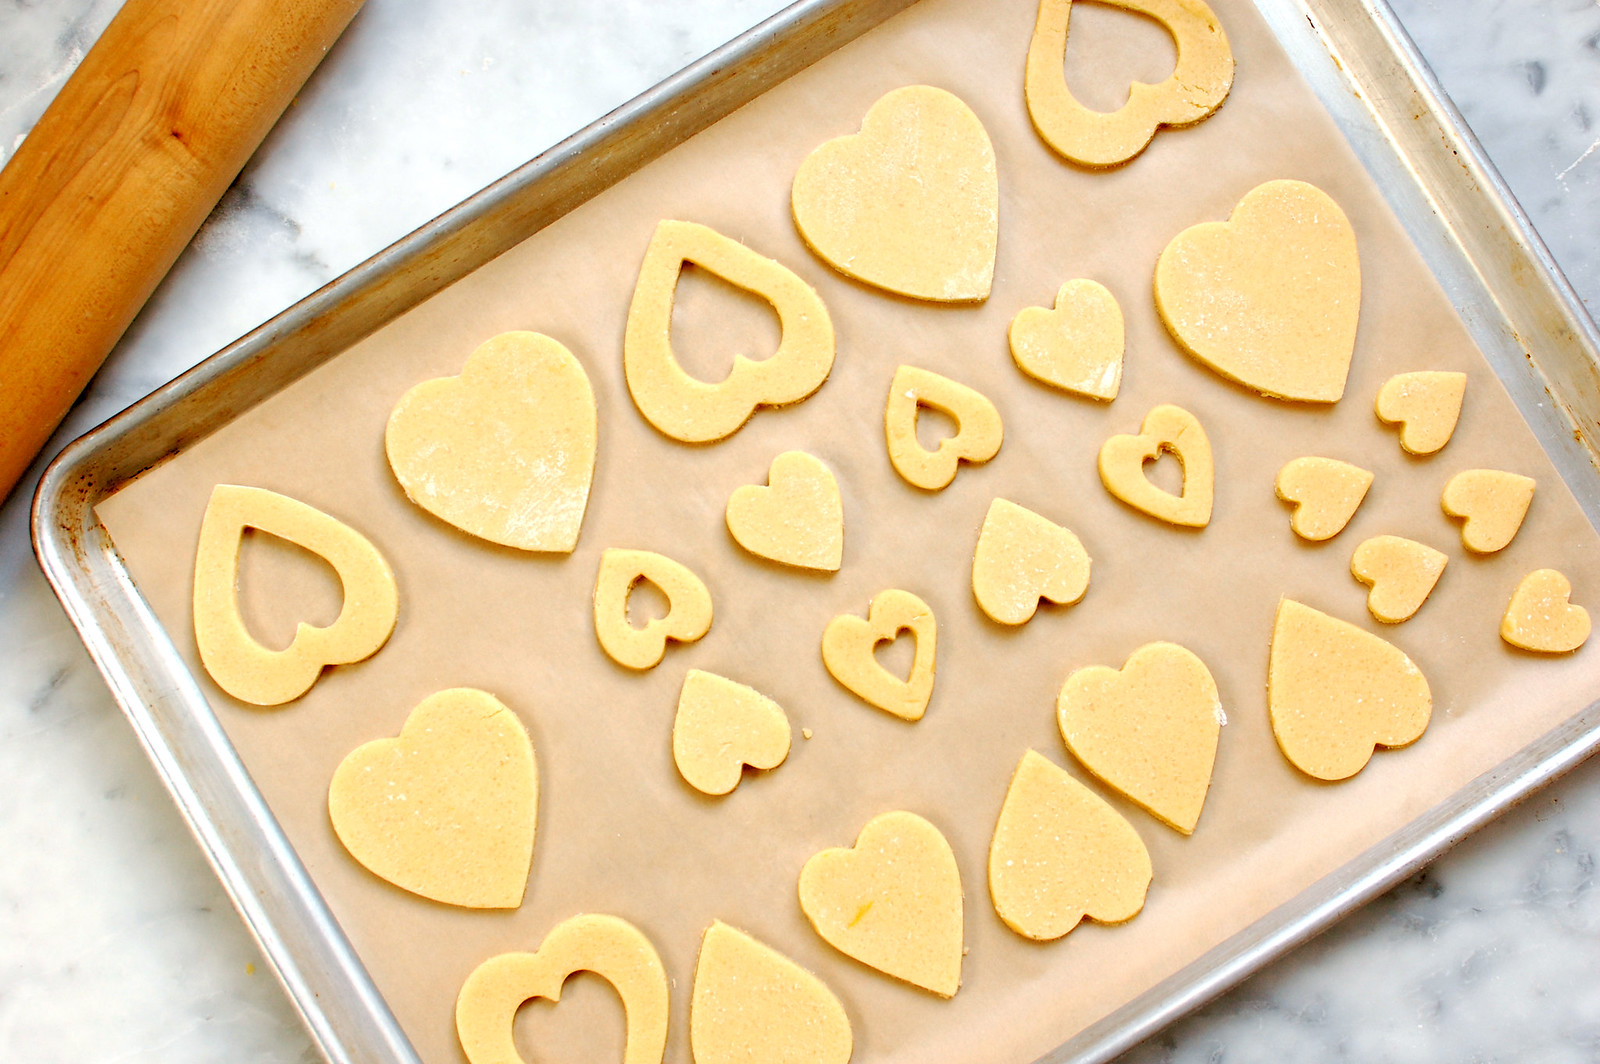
(753,1005)
(1326,494)
(848,642)
(448,809)
(720,727)
(797,519)
(1541,617)
(1426,406)
(1061,854)
(1022,558)
(1149,729)
(688,606)
(1401,572)
(1270,297)
(1196,88)
(978,428)
(506,450)
(893,901)
(608,946)
(1492,503)
(243,667)
(911,203)
(1335,691)
(691,410)
(1077,346)
(1166,430)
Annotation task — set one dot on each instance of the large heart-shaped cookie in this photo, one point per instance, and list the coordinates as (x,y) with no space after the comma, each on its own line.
(752,1004)
(911,203)
(1541,617)
(892,901)
(506,450)
(847,651)
(1166,430)
(797,519)
(1270,297)
(1401,573)
(447,810)
(720,727)
(1426,406)
(1077,346)
(1325,492)
(1022,558)
(1491,504)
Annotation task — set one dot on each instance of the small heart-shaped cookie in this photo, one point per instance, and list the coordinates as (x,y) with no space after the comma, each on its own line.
(1540,617)
(848,643)
(1335,691)
(1022,558)
(688,606)
(1325,492)
(751,1003)
(911,203)
(892,901)
(448,809)
(1170,430)
(1401,573)
(1060,854)
(978,427)
(1076,347)
(721,726)
(1493,504)
(798,519)
(1426,406)
(609,947)
(506,450)
(1270,297)
(1149,729)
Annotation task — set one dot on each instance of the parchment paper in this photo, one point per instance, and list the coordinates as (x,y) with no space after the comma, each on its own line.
(619,832)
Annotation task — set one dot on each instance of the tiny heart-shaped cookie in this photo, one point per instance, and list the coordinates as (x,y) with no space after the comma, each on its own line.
(892,901)
(1149,729)
(1061,854)
(688,606)
(609,947)
(1426,406)
(1022,558)
(1076,347)
(1541,617)
(1493,504)
(751,1003)
(448,809)
(978,427)
(1325,492)
(506,450)
(1166,430)
(1270,297)
(1401,573)
(911,203)
(847,650)
(720,727)
(797,519)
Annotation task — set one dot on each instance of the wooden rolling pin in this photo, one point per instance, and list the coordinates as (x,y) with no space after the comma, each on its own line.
(121,170)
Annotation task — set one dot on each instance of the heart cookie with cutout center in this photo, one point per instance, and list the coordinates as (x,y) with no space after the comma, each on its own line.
(751,1003)
(1166,430)
(1022,558)
(797,519)
(720,727)
(1077,346)
(1492,504)
(1326,494)
(688,616)
(1541,616)
(847,650)
(978,427)
(1401,572)
(1426,405)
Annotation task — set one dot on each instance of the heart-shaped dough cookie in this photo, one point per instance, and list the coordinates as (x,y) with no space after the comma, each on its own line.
(1076,347)
(243,667)
(506,450)
(1493,504)
(688,606)
(1270,297)
(1170,430)
(892,901)
(1401,573)
(797,519)
(1060,854)
(1196,88)
(848,643)
(721,726)
(448,809)
(691,410)
(1022,558)
(1541,617)
(1325,492)
(609,947)
(1149,729)
(753,1004)
(911,203)
(978,427)
(1426,405)
(1335,691)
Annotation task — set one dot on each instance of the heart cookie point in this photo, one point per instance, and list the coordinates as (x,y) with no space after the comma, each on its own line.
(847,651)
(796,520)
(688,612)
(720,727)
(1022,558)
(1426,405)
(1492,504)
(978,428)
(751,1003)
(1077,346)
(1170,430)
(1401,572)
(1325,492)
(1540,616)
(911,203)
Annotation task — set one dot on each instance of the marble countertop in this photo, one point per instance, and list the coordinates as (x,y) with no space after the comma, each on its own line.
(116,941)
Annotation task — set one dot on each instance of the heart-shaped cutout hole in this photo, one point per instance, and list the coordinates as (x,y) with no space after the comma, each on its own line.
(1022,558)
(849,646)
(1166,430)
(715,323)
(977,434)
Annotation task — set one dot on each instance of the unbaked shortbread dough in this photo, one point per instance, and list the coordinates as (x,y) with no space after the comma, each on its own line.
(448,809)
(796,519)
(978,428)
(720,727)
(1022,558)
(1077,346)
(1426,406)
(1541,617)
(1401,573)
(1325,492)
(1166,430)
(688,606)
(847,651)
(1492,503)
(753,1005)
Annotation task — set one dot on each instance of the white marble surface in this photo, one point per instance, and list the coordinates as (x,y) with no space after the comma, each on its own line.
(117,944)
